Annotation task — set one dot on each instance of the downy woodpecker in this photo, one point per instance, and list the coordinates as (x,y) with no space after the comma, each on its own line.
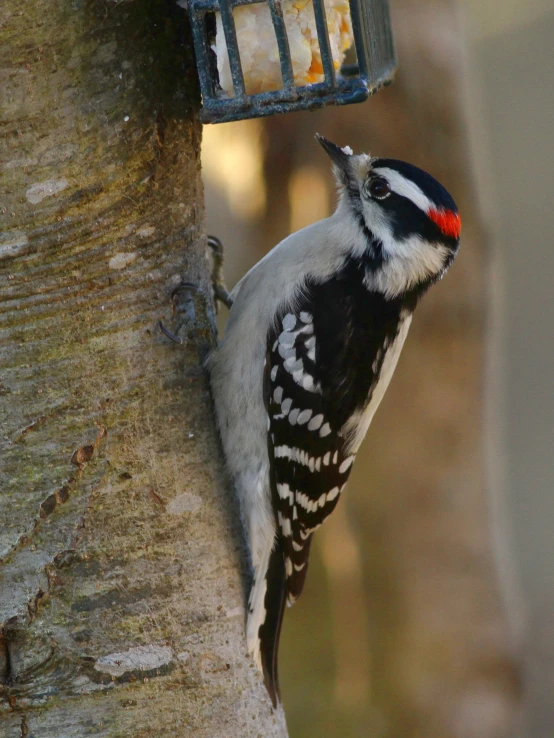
(313,338)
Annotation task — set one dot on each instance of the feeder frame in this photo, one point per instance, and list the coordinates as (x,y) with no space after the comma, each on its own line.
(373,43)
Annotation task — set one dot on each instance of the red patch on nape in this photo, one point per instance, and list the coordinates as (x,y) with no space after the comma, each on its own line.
(448,221)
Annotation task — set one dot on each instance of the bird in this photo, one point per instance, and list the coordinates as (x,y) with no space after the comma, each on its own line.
(312,340)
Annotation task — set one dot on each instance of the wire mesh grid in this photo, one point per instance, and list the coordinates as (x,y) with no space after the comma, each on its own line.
(374,67)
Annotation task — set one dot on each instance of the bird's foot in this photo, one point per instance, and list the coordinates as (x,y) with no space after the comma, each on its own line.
(221,293)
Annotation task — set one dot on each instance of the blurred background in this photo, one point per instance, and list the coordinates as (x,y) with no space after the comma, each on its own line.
(429,607)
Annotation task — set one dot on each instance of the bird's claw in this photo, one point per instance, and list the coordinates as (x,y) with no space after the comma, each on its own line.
(221,293)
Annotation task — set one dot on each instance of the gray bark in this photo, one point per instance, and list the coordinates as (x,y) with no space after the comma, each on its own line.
(122,595)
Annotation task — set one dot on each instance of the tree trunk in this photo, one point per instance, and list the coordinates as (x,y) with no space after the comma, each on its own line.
(122,595)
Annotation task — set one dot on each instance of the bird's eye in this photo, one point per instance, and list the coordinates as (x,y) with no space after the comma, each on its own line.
(379,188)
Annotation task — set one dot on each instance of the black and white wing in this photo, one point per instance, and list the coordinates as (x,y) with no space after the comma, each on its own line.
(308,470)
(326,359)
(307,453)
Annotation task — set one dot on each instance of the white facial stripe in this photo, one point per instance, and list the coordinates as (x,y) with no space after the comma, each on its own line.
(405,187)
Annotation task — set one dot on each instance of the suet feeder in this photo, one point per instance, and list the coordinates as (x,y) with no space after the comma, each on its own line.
(237,42)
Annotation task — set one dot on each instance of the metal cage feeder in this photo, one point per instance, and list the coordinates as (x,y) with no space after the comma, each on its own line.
(373,68)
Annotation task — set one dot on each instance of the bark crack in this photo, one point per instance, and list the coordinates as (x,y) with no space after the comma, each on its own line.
(80,458)
(52,413)
(5,663)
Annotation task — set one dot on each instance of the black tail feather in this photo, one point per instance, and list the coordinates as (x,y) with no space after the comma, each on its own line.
(295,582)
(270,630)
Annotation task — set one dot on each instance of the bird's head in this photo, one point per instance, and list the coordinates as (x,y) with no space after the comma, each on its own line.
(405,224)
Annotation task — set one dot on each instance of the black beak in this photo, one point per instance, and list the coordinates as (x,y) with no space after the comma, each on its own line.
(336,154)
